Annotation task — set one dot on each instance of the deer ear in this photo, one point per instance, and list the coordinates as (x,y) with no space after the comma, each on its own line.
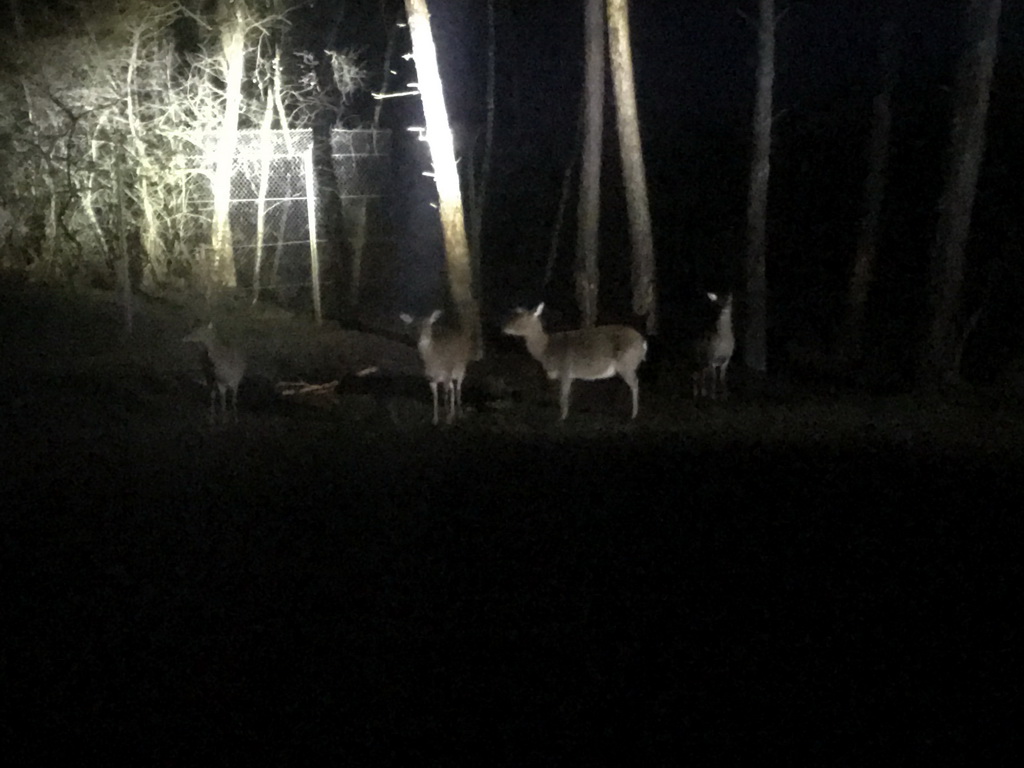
(434,315)
(538,310)
(407,319)
(713,296)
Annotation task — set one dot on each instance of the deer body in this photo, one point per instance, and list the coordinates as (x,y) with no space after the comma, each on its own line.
(588,353)
(714,351)
(446,354)
(223,366)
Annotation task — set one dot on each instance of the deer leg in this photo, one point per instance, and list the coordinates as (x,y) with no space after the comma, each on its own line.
(449,389)
(566,386)
(433,391)
(457,390)
(634,388)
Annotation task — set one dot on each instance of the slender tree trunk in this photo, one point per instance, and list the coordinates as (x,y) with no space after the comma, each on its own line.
(446,175)
(556,229)
(123,269)
(634,175)
(755,348)
(267,146)
(389,53)
(480,209)
(588,217)
(282,231)
(286,207)
(232,37)
(967,147)
(874,196)
(156,259)
(355,221)
(479,187)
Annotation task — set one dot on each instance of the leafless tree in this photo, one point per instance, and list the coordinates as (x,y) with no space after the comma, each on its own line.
(634,175)
(874,195)
(588,218)
(967,148)
(446,175)
(755,347)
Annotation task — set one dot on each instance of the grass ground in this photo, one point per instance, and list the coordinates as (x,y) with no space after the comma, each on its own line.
(807,577)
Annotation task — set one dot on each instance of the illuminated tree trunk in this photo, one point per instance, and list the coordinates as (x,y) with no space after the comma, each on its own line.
(634,176)
(967,147)
(874,195)
(446,175)
(232,38)
(755,348)
(156,267)
(266,151)
(588,217)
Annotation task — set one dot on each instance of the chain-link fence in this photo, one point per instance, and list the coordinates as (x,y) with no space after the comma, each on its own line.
(271,221)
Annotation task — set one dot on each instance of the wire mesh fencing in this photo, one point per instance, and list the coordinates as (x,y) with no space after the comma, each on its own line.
(294,207)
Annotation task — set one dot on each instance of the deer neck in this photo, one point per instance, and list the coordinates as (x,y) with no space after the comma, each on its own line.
(724,325)
(537,344)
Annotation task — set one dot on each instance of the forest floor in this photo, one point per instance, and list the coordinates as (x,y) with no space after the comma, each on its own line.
(832,577)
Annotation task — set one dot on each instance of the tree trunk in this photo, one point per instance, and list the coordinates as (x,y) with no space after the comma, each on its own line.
(446,175)
(156,259)
(232,37)
(634,175)
(588,218)
(479,188)
(874,195)
(967,147)
(755,348)
(266,153)
(556,229)
(355,221)
(123,269)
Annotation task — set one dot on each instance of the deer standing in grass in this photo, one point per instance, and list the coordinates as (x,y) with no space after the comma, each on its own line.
(714,351)
(223,366)
(588,353)
(446,354)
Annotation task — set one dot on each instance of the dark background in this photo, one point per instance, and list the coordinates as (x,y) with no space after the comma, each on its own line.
(694,65)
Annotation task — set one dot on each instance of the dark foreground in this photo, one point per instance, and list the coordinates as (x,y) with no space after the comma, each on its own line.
(431,598)
(715,583)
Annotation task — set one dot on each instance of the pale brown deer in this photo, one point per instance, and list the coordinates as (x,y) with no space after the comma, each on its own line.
(587,354)
(224,368)
(714,351)
(446,354)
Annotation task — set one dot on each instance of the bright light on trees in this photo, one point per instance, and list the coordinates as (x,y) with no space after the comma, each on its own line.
(446,175)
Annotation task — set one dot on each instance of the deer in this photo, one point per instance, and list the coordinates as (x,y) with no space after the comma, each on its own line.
(587,354)
(714,351)
(223,366)
(446,354)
